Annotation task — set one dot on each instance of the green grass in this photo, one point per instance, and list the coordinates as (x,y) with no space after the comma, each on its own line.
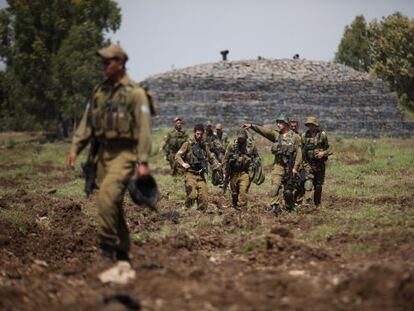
(368,178)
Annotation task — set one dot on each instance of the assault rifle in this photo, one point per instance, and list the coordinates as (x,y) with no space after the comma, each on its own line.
(202,164)
(228,173)
(288,178)
(89,167)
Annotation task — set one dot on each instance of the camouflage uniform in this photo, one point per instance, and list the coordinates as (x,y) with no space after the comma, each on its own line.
(236,162)
(286,148)
(222,141)
(172,143)
(197,155)
(314,168)
(119,118)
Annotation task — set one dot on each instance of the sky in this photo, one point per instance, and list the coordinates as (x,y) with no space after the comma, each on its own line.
(160,35)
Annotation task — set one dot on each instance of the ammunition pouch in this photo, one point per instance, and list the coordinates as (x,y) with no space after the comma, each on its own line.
(112,122)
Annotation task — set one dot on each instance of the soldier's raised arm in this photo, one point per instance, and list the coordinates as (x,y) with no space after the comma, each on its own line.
(268,133)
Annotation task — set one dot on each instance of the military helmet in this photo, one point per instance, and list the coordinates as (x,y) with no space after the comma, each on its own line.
(311,120)
(178,119)
(144,191)
(282,117)
(209,124)
(242,133)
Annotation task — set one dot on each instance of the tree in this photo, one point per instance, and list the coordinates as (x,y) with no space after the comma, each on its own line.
(353,49)
(392,53)
(385,48)
(49,48)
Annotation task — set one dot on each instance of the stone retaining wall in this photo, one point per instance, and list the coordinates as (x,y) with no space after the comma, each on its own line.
(344,101)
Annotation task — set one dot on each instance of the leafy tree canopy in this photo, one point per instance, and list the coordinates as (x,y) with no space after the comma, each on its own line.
(49,48)
(384,47)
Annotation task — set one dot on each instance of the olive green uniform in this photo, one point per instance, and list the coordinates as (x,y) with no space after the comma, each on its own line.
(172,143)
(314,168)
(119,118)
(197,155)
(222,144)
(236,162)
(285,148)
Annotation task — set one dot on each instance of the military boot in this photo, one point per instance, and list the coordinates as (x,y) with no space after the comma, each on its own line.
(274,209)
(234,200)
(289,201)
(317,196)
(122,255)
(107,252)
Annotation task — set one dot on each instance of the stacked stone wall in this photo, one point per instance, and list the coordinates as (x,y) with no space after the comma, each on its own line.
(348,103)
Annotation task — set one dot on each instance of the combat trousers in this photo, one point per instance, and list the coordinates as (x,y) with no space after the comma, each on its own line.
(196,190)
(315,177)
(279,184)
(239,184)
(116,166)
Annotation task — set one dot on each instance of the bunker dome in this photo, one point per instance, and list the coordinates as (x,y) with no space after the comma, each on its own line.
(230,92)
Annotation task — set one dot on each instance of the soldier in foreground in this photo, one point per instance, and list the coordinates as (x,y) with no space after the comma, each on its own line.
(172,143)
(287,158)
(194,156)
(316,150)
(236,163)
(118,118)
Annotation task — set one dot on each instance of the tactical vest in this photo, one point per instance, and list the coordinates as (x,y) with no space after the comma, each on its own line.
(176,139)
(197,157)
(241,157)
(312,145)
(112,114)
(284,148)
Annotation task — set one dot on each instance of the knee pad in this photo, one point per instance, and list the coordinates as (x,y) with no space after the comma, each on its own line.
(308,185)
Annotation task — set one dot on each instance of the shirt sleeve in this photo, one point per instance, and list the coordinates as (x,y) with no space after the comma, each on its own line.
(82,133)
(181,153)
(327,148)
(298,158)
(143,124)
(268,133)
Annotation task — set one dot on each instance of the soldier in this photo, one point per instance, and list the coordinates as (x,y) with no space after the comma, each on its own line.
(294,126)
(194,156)
(222,140)
(118,118)
(316,150)
(287,158)
(211,139)
(299,181)
(172,143)
(236,163)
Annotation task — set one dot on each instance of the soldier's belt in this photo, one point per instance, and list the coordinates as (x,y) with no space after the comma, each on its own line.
(196,172)
(118,143)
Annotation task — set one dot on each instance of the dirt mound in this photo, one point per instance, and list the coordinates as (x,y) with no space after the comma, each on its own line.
(379,287)
(45,228)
